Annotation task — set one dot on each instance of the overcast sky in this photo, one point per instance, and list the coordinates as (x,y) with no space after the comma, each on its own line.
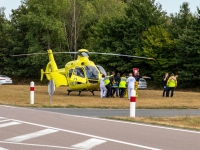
(170,6)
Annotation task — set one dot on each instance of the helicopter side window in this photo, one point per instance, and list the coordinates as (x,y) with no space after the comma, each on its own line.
(70,72)
(79,72)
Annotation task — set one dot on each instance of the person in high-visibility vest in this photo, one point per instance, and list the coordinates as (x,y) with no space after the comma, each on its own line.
(122,86)
(107,84)
(171,84)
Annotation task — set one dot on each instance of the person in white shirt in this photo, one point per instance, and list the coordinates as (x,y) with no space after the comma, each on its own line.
(102,87)
(131,84)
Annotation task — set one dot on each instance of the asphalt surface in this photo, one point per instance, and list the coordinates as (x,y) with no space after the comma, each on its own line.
(28,128)
(125,112)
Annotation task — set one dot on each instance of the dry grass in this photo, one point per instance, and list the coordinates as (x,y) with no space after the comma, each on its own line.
(185,122)
(19,95)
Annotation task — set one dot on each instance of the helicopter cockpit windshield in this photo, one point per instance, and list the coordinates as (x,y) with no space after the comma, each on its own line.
(91,72)
(101,69)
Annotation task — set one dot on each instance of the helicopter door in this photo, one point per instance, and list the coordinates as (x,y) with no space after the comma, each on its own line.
(78,77)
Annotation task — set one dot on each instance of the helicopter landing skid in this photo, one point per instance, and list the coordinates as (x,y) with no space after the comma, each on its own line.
(92,92)
(69,91)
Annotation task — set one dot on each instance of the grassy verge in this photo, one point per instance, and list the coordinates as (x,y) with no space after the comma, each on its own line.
(19,95)
(186,122)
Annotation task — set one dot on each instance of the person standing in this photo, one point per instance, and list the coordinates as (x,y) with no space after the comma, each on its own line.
(137,77)
(113,84)
(102,87)
(171,84)
(131,84)
(164,80)
(122,86)
(107,83)
(117,81)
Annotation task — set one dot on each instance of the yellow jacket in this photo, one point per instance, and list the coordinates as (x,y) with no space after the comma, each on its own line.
(172,82)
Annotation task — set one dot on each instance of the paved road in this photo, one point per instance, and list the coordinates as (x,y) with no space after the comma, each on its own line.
(25,128)
(125,112)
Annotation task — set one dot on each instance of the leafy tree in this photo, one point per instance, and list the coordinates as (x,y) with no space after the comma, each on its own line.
(16,66)
(83,14)
(184,26)
(179,22)
(123,34)
(189,55)
(3,39)
(36,27)
(159,44)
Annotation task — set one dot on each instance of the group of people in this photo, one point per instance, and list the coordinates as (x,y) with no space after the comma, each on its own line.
(169,84)
(111,84)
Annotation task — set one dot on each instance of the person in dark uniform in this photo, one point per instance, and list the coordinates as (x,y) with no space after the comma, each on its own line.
(117,81)
(137,76)
(113,85)
(164,80)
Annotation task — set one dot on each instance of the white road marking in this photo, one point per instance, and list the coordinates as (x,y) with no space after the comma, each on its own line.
(124,122)
(90,135)
(39,145)
(89,143)
(8,106)
(31,135)
(9,124)
(3,148)
(5,120)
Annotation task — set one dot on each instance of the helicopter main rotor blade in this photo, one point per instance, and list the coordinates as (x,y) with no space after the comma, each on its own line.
(65,52)
(44,53)
(111,54)
(28,54)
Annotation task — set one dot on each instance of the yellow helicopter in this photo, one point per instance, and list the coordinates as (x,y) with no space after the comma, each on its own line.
(79,75)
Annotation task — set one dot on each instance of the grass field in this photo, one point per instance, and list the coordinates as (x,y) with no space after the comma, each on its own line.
(19,95)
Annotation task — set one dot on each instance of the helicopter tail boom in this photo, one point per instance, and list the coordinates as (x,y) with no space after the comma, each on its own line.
(53,73)
(58,79)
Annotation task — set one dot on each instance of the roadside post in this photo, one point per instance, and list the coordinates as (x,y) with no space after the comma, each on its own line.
(31,92)
(132,103)
(51,89)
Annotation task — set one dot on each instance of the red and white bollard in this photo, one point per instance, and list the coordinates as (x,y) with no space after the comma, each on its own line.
(132,103)
(32,92)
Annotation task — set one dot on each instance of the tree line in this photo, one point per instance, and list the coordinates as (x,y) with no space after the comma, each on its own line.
(129,27)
